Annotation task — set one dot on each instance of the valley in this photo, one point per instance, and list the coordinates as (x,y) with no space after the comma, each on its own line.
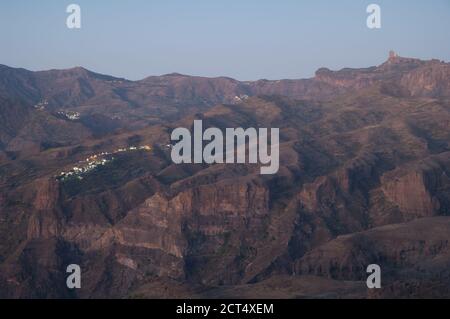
(364,166)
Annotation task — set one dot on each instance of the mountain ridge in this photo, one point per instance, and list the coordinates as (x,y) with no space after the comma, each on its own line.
(364,172)
(393,58)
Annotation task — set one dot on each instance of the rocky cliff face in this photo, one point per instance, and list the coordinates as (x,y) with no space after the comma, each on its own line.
(429,80)
(409,254)
(364,178)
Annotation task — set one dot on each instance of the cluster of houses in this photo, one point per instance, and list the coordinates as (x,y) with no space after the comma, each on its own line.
(78,171)
(240,98)
(70,115)
(94,161)
(41,105)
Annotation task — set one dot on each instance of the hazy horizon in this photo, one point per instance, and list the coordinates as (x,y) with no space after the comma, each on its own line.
(207,76)
(246,41)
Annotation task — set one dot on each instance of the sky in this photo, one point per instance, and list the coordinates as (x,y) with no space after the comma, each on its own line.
(242,39)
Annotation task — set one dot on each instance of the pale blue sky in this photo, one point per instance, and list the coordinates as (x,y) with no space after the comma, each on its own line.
(243,39)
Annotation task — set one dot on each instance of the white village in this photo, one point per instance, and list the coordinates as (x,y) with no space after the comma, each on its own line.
(96,160)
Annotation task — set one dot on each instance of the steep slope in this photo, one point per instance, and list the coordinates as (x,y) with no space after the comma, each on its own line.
(364,178)
(345,166)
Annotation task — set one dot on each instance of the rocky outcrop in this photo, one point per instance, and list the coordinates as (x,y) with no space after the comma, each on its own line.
(410,195)
(363,178)
(402,250)
(430,80)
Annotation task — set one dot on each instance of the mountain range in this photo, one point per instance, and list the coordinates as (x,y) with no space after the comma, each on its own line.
(86,177)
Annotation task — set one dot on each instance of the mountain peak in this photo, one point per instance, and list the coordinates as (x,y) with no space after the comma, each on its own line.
(79,69)
(175,74)
(394,58)
(392,55)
